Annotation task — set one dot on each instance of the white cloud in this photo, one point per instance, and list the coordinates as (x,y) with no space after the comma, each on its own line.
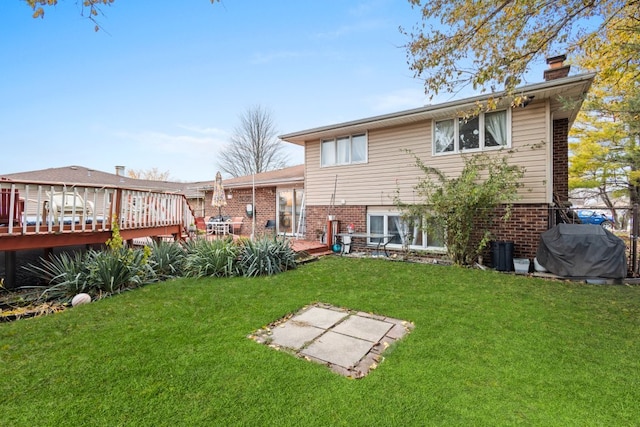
(357,27)
(205,130)
(189,155)
(168,143)
(367,8)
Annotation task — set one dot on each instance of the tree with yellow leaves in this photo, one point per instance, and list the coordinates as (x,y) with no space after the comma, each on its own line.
(605,154)
(490,44)
(89,8)
(596,166)
(152,174)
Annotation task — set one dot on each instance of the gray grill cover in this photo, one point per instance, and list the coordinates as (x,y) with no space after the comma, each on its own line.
(582,250)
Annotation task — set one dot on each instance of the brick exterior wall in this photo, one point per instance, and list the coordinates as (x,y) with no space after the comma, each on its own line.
(561,159)
(317,219)
(527,222)
(265,208)
(524,227)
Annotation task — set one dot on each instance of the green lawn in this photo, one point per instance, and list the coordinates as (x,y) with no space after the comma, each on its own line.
(487,349)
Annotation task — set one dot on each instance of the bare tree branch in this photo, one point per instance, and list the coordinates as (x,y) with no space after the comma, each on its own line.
(254,145)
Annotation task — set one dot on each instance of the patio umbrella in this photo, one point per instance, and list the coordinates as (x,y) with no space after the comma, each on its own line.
(218,200)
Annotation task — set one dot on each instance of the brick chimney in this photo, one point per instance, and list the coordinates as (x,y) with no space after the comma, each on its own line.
(557,69)
(120,170)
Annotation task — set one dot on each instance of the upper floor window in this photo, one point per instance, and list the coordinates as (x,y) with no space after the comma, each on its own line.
(485,131)
(344,150)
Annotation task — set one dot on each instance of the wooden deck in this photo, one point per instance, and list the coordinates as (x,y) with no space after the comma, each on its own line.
(311,247)
(45,215)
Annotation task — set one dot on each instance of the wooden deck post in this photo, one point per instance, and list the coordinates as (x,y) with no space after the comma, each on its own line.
(10,269)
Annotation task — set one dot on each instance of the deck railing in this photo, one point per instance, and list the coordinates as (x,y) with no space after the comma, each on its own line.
(37,208)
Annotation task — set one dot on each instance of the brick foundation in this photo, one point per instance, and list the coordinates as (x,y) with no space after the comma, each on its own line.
(524,228)
(527,222)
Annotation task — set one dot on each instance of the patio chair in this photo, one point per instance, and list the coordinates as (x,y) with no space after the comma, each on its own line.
(6,215)
(271,225)
(236,224)
(200,224)
(67,208)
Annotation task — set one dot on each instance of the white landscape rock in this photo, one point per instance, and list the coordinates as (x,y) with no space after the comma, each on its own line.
(81,299)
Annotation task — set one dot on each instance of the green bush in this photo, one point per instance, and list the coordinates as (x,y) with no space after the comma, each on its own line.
(167,259)
(118,268)
(464,204)
(266,256)
(211,258)
(65,275)
(114,270)
(92,272)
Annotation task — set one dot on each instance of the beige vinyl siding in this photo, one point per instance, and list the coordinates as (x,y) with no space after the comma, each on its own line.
(390,169)
(530,135)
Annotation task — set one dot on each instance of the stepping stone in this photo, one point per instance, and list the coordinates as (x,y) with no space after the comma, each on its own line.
(295,336)
(364,328)
(338,349)
(350,343)
(319,317)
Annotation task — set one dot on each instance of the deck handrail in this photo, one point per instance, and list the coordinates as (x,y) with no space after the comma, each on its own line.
(41,208)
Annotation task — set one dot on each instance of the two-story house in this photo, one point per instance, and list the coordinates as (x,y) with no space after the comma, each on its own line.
(354,169)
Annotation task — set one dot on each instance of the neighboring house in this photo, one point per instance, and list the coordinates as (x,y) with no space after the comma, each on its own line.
(80,175)
(353,170)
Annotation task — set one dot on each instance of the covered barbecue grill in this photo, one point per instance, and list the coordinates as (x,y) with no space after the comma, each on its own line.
(582,250)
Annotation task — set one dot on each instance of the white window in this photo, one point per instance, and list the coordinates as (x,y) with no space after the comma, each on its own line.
(410,233)
(344,150)
(483,132)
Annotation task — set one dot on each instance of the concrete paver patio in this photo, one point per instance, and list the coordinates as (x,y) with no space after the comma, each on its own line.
(349,342)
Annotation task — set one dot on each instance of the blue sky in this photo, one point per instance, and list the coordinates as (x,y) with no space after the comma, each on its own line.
(164,83)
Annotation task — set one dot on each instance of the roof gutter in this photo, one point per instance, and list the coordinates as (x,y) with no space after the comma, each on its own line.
(300,137)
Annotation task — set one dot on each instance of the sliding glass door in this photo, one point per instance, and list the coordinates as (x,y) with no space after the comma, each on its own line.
(289,210)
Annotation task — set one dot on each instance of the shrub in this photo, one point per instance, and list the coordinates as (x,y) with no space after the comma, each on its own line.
(65,274)
(167,259)
(266,256)
(213,258)
(114,270)
(456,204)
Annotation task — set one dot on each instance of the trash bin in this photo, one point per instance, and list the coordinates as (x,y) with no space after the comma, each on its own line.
(502,255)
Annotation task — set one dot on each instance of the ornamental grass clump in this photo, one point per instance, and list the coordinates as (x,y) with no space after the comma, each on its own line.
(115,270)
(92,272)
(65,275)
(211,258)
(266,257)
(167,259)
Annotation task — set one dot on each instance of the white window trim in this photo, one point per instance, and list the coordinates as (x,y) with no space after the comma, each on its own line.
(456,137)
(388,212)
(335,139)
